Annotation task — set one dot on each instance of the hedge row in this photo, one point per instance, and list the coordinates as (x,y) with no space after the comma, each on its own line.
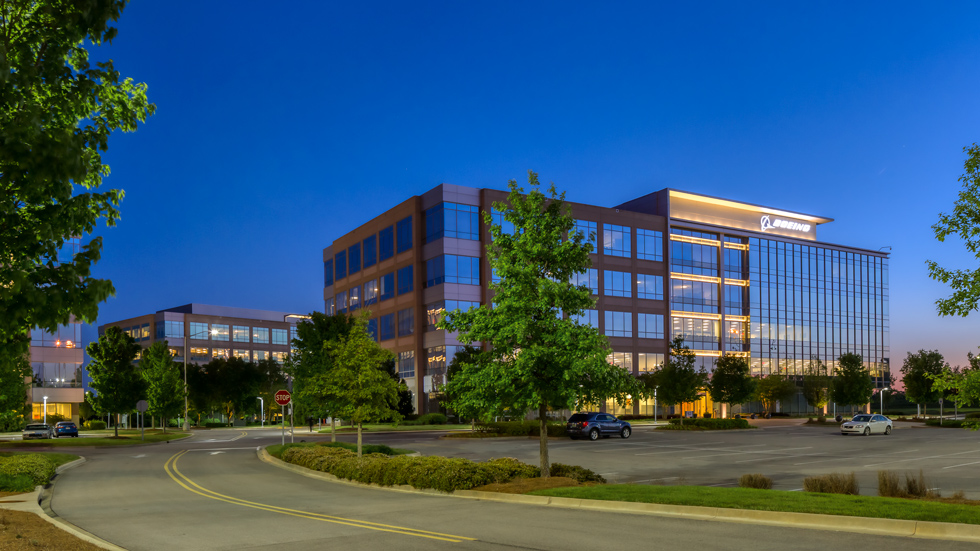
(714,424)
(93,425)
(427,419)
(521,428)
(37,467)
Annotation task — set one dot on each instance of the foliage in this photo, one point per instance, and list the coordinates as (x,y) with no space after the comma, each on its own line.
(428,419)
(367,448)
(16,483)
(310,364)
(964,222)
(918,372)
(15,371)
(832,483)
(271,379)
(358,384)
(93,424)
(11,421)
(463,409)
(963,387)
(889,485)
(538,356)
(165,387)
(714,424)
(85,409)
(406,404)
(677,379)
(852,384)
(816,384)
(731,381)
(758,481)
(774,388)
(235,383)
(520,428)
(57,112)
(575,472)
(33,465)
(114,377)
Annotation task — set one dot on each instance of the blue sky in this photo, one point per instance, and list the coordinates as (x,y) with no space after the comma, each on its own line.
(277,131)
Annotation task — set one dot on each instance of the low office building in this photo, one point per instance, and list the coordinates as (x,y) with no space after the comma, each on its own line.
(730,277)
(56,360)
(206,332)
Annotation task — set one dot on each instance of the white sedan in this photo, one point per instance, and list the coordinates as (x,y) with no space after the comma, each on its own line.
(867,424)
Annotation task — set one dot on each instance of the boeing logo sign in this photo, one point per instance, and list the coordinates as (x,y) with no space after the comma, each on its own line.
(768,224)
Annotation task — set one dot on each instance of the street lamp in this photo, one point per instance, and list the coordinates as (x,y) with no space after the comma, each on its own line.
(45,410)
(262,405)
(881,394)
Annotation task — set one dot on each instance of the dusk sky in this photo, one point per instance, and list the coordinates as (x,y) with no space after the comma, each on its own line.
(277,131)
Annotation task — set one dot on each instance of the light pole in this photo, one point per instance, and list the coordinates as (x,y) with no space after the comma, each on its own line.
(45,410)
(187,334)
(262,405)
(881,394)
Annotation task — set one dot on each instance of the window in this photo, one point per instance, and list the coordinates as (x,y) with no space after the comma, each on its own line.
(405,280)
(589,231)
(451,220)
(615,240)
(650,326)
(354,296)
(260,335)
(372,328)
(279,336)
(174,329)
(220,353)
(259,355)
(370,251)
(386,327)
(649,362)
(650,286)
(650,245)
(354,258)
(435,311)
(240,333)
(619,324)
(329,306)
(588,317)
(406,322)
(694,296)
(328,273)
(145,331)
(698,334)
(342,302)
(452,269)
(386,286)
(621,359)
(617,284)
(242,354)
(371,292)
(386,243)
(694,258)
(406,364)
(506,227)
(160,331)
(590,279)
(340,264)
(293,333)
(199,354)
(279,357)
(404,227)
(219,332)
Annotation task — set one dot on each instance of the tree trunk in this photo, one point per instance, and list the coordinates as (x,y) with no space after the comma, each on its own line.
(358,439)
(333,429)
(163,424)
(473,425)
(543,426)
(682,415)
(116,427)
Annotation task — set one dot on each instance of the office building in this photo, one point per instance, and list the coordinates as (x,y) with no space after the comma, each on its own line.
(730,277)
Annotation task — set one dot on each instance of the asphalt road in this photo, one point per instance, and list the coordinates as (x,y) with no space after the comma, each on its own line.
(212,492)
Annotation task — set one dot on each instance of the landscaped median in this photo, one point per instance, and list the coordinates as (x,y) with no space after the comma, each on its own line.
(105,438)
(21,472)
(706,424)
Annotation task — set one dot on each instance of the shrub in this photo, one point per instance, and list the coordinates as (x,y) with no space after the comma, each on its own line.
(215,425)
(94,425)
(11,422)
(685,426)
(757,481)
(917,487)
(714,424)
(833,483)
(432,419)
(949,423)
(365,448)
(975,415)
(520,428)
(889,485)
(575,472)
(34,466)
(16,483)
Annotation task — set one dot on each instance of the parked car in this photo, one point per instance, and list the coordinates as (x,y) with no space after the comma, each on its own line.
(65,428)
(867,424)
(38,430)
(593,425)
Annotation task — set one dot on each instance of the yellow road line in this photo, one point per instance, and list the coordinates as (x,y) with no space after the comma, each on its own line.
(192,486)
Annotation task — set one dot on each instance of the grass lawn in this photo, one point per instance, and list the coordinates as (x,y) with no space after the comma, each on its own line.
(775,500)
(58,459)
(388,427)
(276,450)
(104,438)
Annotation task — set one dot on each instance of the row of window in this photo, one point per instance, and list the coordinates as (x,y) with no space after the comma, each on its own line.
(67,336)
(452,220)
(235,333)
(203,355)
(56,374)
(374,291)
(451,268)
(382,328)
(620,324)
(370,251)
(620,284)
(617,240)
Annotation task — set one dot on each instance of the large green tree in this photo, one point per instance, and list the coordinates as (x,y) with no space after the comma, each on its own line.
(57,111)
(115,378)
(918,373)
(467,355)
(772,389)
(164,384)
(678,380)
(852,384)
(237,382)
(272,379)
(961,385)
(539,356)
(816,385)
(312,361)
(359,383)
(731,381)
(963,222)
(15,372)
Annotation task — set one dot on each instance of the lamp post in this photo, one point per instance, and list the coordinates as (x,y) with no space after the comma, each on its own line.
(262,406)
(187,334)
(45,410)
(881,394)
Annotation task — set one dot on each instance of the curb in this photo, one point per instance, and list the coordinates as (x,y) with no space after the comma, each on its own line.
(813,521)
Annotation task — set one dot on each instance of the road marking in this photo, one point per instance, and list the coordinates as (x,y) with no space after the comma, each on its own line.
(140,456)
(240,436)
(652,479)
(171,469)
(920,458)
(216,453)
(963,465)
(213,449)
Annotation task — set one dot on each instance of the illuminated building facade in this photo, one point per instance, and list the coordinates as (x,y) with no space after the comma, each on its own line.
(730,277)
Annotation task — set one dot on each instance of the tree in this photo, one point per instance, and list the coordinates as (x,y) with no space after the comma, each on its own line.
(358,383)
(57,112)
(202,388)
(311,363)
(965,223)
(774,388)
(237,383)
(467,355)
(114,376)
(918,371)
(962,385)
(731,381)
(539,357)
(677,379)
(14,372)
(406,405)
(164,385)
(852,384)
(816,385)
(271,379)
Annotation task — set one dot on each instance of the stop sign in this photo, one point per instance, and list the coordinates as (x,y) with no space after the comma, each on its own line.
(283,397)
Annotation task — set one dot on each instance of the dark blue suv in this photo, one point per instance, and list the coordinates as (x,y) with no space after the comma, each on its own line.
(593,425)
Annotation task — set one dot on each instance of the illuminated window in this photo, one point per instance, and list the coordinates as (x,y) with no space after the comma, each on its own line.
(220,353)
(434,311)
(260,355)
(371,292)
(219,332)
(199,354)
(260,335)
(329,306)
(649,362)
(241,354)
(354,297)
(279,357)
(240,333)
(342,301)
(621,359)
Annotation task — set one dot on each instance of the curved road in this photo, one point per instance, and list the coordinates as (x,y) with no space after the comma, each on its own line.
(212,492)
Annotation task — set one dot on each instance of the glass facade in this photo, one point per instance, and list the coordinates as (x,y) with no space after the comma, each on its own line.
(406,364)
(451,268)
(240,333)
(617,284)
(650,287)
(435,310)
(452,220)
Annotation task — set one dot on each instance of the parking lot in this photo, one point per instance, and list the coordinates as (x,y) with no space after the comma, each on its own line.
(785,451)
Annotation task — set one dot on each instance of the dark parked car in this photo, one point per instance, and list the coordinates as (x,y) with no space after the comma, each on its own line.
(38,430)
(65,428)
(593,425)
